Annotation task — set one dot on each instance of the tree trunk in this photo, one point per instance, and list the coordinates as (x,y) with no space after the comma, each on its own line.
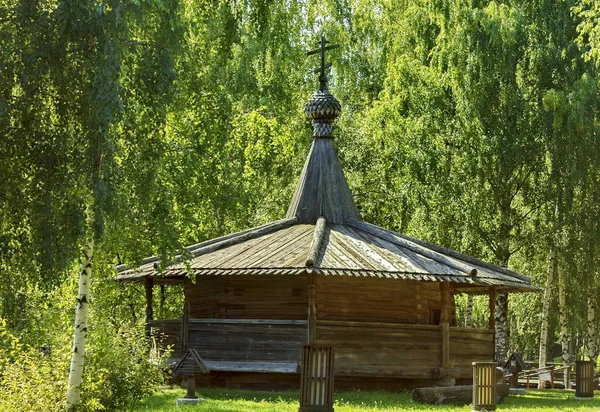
(552,267)
(501,314)
(501,326)
(564,333)
(591,342)
(469,312)
(81,318)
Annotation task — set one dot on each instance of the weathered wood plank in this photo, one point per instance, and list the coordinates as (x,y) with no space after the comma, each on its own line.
(247,321)
(413,372)
(243,236)
(273,367)
(244,297)
(390,300)
(322,189)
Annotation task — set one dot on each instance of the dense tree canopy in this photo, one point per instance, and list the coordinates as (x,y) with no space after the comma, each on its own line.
(471,124)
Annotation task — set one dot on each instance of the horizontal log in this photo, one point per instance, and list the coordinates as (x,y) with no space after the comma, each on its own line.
(397,371)
(456,395)
(385,325)
(248,321)
(273,367)
(385,348)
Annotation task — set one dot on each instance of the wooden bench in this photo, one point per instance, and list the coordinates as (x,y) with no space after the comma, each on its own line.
(272,367)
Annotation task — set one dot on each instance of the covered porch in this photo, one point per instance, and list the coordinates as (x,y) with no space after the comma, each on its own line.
(362,349)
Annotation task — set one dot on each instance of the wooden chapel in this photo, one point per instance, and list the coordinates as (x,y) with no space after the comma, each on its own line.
(321,275)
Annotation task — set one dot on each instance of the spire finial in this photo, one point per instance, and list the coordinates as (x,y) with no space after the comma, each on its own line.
(322,108)
(321,70)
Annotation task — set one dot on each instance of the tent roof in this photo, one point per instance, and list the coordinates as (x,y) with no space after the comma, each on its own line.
(291,248)
(323,234)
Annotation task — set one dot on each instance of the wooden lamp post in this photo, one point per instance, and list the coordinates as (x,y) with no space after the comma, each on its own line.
(190,364)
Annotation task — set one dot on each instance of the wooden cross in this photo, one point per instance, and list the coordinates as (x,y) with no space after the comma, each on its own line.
(321,70)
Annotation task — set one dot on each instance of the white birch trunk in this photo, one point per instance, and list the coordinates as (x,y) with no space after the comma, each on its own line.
(81,322)
(501,316)
(591,338)
(501,312)
(546,312)
(469,312)
(564,333)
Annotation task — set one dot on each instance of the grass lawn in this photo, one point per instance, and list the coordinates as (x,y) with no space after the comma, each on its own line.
(232,400)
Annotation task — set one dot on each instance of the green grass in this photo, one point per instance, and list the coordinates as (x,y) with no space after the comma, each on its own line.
(233,400)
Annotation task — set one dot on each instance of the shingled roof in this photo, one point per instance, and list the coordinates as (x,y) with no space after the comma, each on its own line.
(322,234)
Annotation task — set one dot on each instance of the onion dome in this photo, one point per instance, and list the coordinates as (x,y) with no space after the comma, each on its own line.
(322,108)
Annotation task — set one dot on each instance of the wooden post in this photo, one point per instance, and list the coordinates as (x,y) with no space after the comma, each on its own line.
(149,312)
(445,345)
(184,327)
(191,387)
(492,305)
(445,314)
(445,325)
(312,309)
(187,368)
(163,297)
(492,321)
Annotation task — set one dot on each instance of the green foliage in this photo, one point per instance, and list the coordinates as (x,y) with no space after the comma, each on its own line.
(589,28)
(120,366)
(29,379)
(120,369)
(471,124)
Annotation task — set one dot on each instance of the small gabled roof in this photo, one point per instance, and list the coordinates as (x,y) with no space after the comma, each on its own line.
(323,235)
(190,364)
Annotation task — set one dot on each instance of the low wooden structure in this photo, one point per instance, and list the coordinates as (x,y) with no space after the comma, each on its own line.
(514,365)
(584,379)
(190,365)
(484,386)
(323,276)
(317,379)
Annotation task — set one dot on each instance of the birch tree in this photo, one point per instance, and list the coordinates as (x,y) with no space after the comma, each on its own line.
(500,154)
(564,330)
(545,315)
(591,338)
(81,314)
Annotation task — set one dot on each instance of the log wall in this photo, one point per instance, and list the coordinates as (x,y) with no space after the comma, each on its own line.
(378,300)
(362,349)
(248,297)
(469,345)
(247,341)
(168,333)
(380,349)
(337,298)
